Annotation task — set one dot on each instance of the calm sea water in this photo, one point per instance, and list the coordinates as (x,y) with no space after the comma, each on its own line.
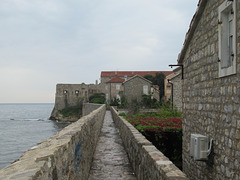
(22,126)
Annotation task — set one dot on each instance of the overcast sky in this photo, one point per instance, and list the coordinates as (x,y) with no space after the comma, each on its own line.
(46,42)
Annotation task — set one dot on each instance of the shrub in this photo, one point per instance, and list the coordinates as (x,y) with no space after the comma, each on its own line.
(149,102)
(134,106)
(124,103)
(114,102)
(163,129)
(73,111)
(98,98)
(122,114)
(167,111)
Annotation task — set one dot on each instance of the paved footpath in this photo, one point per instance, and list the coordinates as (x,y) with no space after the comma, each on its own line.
(110,160)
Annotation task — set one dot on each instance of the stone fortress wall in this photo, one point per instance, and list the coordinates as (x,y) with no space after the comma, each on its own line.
(68,95)
(66,155)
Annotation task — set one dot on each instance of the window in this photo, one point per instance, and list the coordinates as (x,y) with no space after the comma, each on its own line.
(77,92)
(125,77)
(227,38)
(65,91)
(145,89)
(118,87)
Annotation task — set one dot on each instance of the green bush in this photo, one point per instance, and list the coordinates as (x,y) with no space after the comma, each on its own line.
(122,114)
(163,129)
(114,102)
(73,111)
(167,111)
(124,103)
(149,102)
(98,98)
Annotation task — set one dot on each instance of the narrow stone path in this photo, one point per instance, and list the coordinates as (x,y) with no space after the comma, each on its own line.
(110,160)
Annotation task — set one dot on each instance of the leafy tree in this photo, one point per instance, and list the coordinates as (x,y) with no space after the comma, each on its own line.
(149,102)
(124,103)
(114,102)
(158,79)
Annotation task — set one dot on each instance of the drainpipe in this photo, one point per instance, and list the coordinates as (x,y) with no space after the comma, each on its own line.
(171,92)
(110,94)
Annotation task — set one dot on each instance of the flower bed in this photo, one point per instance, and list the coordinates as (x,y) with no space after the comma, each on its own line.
(153,123)
(163,130)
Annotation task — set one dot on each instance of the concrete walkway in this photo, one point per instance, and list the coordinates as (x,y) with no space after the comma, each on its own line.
(110,160)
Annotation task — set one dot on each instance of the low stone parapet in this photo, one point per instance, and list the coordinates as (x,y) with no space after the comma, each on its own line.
(147,161)
(89,107)
(66,155)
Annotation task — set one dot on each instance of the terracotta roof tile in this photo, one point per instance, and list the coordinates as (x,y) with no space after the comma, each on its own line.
(131,73)
(116,80)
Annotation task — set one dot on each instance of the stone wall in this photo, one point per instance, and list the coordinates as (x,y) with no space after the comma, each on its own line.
(68,95)
(66,155)
(89,107)
(177,91)
(211,105)
(146,160)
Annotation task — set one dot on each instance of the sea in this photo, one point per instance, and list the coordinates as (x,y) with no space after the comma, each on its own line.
(22,126)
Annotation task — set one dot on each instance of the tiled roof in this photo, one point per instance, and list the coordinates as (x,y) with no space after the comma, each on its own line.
(138,76)
(116,80)
(131,73)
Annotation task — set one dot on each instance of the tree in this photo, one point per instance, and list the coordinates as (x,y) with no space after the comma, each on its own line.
(159,80)
(98,98)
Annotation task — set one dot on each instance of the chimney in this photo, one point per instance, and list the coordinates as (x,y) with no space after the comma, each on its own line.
(96,82)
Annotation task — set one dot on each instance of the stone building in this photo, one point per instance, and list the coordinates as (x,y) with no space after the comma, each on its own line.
(108,75)
(175,84)
(167,88)
(176,87)
(111,85)
(135,87)
(211,89)
(68,95)
(114,88)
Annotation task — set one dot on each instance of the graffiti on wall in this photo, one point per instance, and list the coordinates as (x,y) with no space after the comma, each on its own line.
(77,156)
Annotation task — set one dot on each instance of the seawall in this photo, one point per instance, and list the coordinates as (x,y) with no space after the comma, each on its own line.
(147,161)
(66,155)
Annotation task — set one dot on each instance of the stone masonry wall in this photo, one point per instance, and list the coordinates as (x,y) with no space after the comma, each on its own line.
(133,88)
(146,160)
(66,155)
(177,91)
(68,95)
(89,107)
(211,104)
